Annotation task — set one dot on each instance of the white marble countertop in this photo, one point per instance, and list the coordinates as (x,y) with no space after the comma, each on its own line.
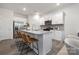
(36,32)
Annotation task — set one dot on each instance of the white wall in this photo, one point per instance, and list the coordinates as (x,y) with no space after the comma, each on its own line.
(20,18)
(72,19)
(6,24)
(34,21)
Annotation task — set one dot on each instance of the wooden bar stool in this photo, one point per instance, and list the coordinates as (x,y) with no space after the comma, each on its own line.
(20,43)
(18,34)
(29,40)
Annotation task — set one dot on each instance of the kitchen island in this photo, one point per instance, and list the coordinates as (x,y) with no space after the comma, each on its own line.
(45,40)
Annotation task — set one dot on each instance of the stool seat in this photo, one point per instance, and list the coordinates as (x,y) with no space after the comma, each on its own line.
(33,39)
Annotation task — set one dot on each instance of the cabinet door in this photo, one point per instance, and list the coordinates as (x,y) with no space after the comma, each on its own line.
(42,20)
(53,34)
(58,35)
(57,18)
(47,42)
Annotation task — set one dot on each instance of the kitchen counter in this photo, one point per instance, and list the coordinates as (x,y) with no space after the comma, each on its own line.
(44,40)
(36,32)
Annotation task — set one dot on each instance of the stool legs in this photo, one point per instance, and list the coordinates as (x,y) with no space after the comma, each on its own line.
(23,47)
(37,47)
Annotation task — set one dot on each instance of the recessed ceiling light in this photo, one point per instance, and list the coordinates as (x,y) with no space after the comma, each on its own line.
(57,4)
(24,9)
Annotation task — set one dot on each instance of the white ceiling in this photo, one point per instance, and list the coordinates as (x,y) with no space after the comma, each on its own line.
(31,8)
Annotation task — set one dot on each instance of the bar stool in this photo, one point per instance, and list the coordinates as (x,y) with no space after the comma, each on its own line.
(20,44)
(18,34)
(29,40)
(18,41)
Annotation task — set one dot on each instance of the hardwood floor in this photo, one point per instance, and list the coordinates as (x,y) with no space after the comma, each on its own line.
(56,47)
(8,47)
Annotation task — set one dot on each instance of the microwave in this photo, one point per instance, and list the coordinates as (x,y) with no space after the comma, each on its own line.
(48,22)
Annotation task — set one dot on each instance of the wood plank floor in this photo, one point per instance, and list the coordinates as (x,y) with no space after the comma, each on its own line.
(8,47)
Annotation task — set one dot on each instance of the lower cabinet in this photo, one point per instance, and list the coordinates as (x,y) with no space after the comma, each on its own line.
(58,35)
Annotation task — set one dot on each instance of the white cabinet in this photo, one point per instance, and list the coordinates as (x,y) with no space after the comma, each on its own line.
(58,35)
(42,21)
(53,34)
(47,42)
(58,18)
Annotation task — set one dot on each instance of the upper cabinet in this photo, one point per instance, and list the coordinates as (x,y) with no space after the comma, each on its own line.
(57,18)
